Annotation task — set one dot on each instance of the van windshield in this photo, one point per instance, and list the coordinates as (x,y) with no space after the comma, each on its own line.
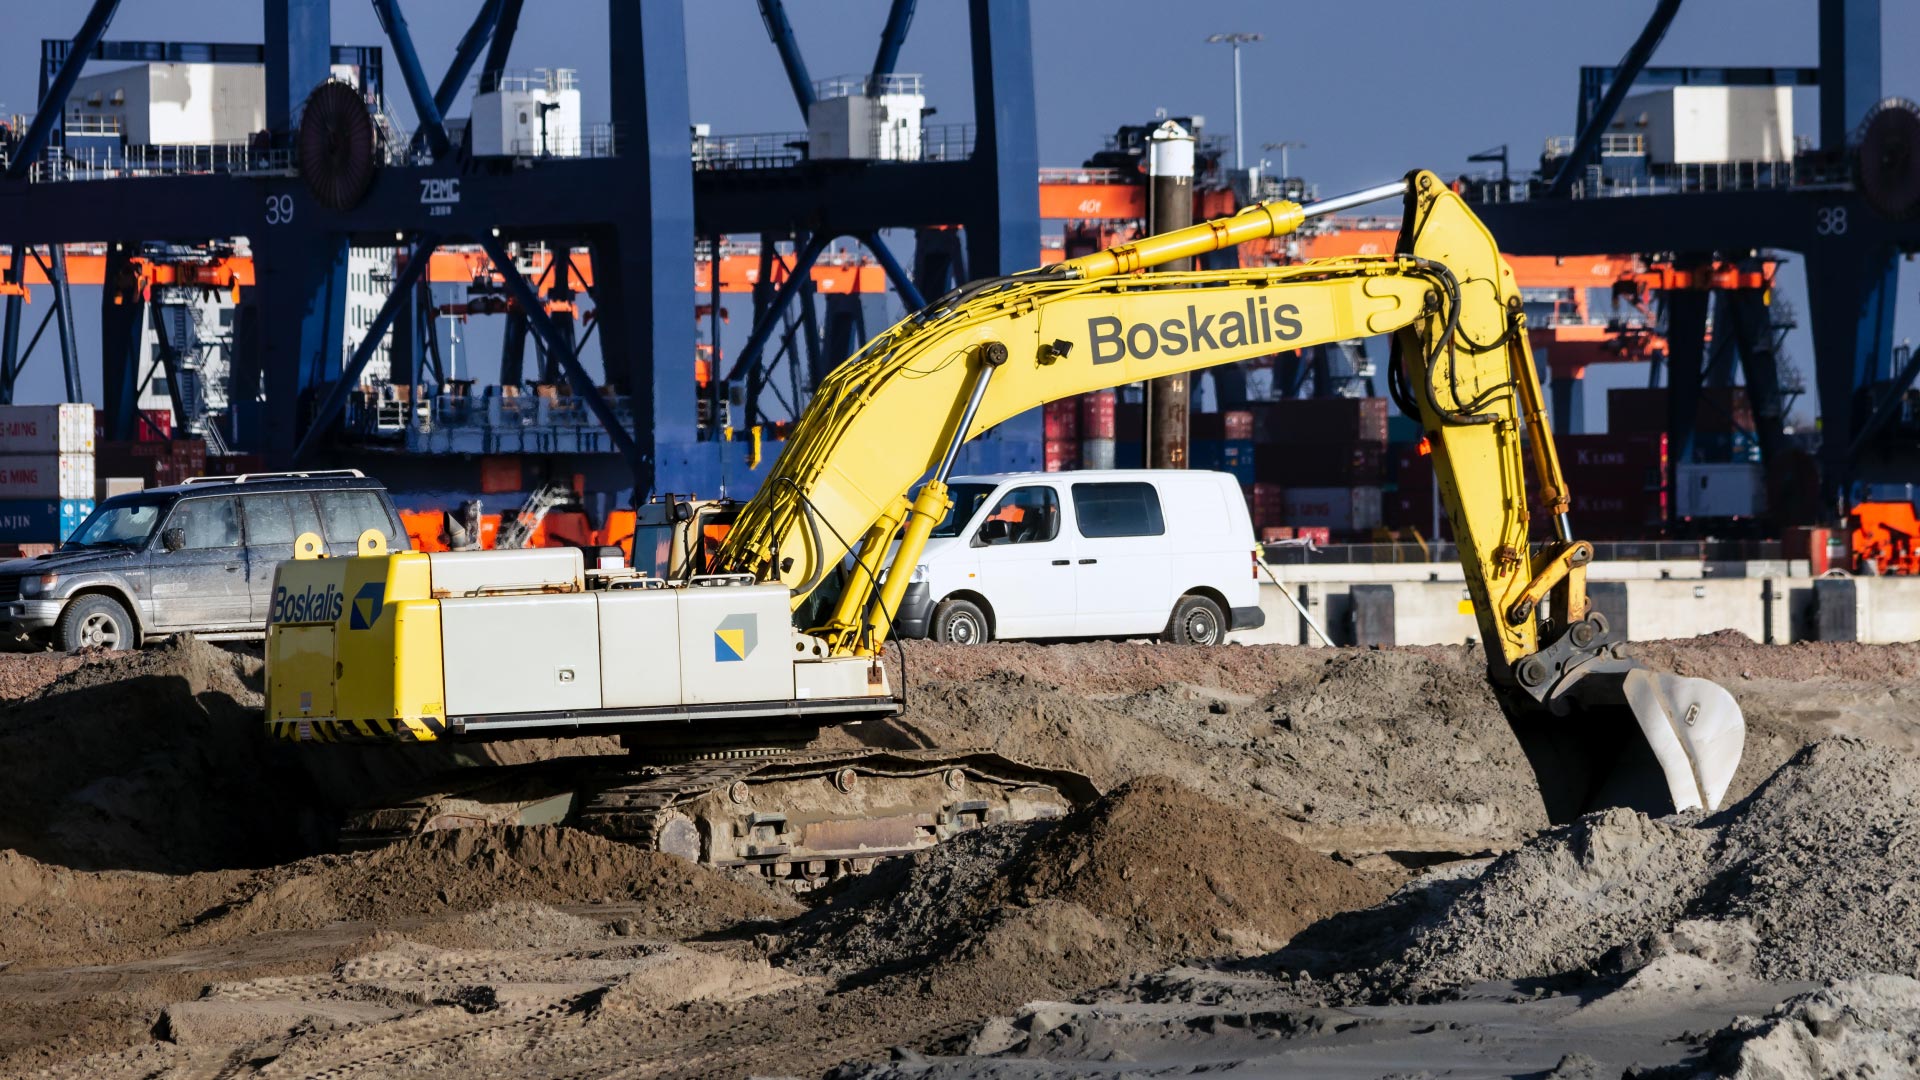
(118,524)
(966,501)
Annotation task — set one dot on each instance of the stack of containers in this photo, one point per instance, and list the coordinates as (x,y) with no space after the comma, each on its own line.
(1618,484)
(1098,418)
(1061,420)
(1724,430)
(46,471)
(1326,458)
(1223,441)
(155,464)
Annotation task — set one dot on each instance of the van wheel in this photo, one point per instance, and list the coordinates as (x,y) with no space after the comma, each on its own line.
(1196,621)
(94,622)
(960,622)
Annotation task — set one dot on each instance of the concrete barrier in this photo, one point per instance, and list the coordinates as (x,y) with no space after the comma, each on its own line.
(1366,610)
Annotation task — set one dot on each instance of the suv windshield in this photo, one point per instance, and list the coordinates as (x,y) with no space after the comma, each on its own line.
(118,524)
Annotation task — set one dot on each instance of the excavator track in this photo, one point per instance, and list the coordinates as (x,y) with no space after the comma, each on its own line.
(799,819)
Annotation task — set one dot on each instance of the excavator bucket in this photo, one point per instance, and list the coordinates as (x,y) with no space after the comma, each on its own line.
(1623,734)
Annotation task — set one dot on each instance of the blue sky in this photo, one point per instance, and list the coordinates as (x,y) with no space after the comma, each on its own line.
(1372,88)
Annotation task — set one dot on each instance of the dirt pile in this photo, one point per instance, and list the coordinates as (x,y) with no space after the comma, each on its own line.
(24,674)
(1153,871)
(505,876)
(152,761)
(1355,750)
(1811,877)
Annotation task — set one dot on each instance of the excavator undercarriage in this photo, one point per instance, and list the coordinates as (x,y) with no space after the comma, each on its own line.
(801,819)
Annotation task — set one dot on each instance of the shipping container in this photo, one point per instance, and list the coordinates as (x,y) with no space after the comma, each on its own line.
(46,476)
(1340,508)
(1228,456)
(1062,455)
(1645,450)
(1096,453)
(1335,464)
(1640,409)
(1061,420)
(150,425)
(26,521)
(1097,414)
(1720,491)
(46,429)
(156,464)
(1321,421)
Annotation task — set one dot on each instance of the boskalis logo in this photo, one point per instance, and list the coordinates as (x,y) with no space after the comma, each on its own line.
(307,606)
(735,638)
(1230,329)
(367,604)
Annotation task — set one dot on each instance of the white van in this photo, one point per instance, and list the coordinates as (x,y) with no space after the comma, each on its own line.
(1108,553)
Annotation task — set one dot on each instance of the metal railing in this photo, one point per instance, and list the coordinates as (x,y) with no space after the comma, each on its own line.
(592,141)
(866,86)
(1084,176)
(1603,551)
(549,79)
(62,164)
(1691,178)
(785,149)
(1612,144)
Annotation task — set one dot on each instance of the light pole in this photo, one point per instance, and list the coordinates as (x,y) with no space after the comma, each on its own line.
(1283,146)
(1236,40)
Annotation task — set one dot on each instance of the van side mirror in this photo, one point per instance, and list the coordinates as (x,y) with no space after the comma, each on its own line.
(993,532)
(173,539)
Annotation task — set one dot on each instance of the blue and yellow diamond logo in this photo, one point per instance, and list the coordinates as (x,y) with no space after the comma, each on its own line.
(735,637)
(367,604)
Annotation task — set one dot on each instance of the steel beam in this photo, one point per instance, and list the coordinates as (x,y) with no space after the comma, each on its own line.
(1686,353)
(427,111)
(1888,404)
(645,295)
(10,322)
(896,273)
(1849,67)
(1629,69)
(1752,327)
(56,271)
(780,31)
(892,36)
(502,44)
(1003,227)
(1850,302)
(400,295)
(465,53)
(583,386)
(53,94)
(298,55)
(123,317)
(763,325)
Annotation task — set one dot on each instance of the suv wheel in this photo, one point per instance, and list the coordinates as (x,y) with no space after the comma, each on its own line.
(1196,621)
(960,622)
(94,622)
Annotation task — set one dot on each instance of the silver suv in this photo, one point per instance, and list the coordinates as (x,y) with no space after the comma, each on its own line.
(197,557)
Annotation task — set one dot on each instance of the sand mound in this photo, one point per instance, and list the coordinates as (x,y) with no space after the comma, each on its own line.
(1811,877)
(1867,1027)
(1152,871)
(505,877)
(152,761)
(1178,873)
(1354,750)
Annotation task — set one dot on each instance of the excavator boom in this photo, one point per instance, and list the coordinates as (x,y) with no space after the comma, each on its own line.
(900,409)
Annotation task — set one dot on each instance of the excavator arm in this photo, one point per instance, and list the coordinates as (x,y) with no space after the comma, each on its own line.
(900,410)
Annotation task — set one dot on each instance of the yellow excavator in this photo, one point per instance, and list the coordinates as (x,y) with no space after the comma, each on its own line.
(715,675)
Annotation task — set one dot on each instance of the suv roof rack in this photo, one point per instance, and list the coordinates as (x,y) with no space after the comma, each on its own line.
(312,474)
